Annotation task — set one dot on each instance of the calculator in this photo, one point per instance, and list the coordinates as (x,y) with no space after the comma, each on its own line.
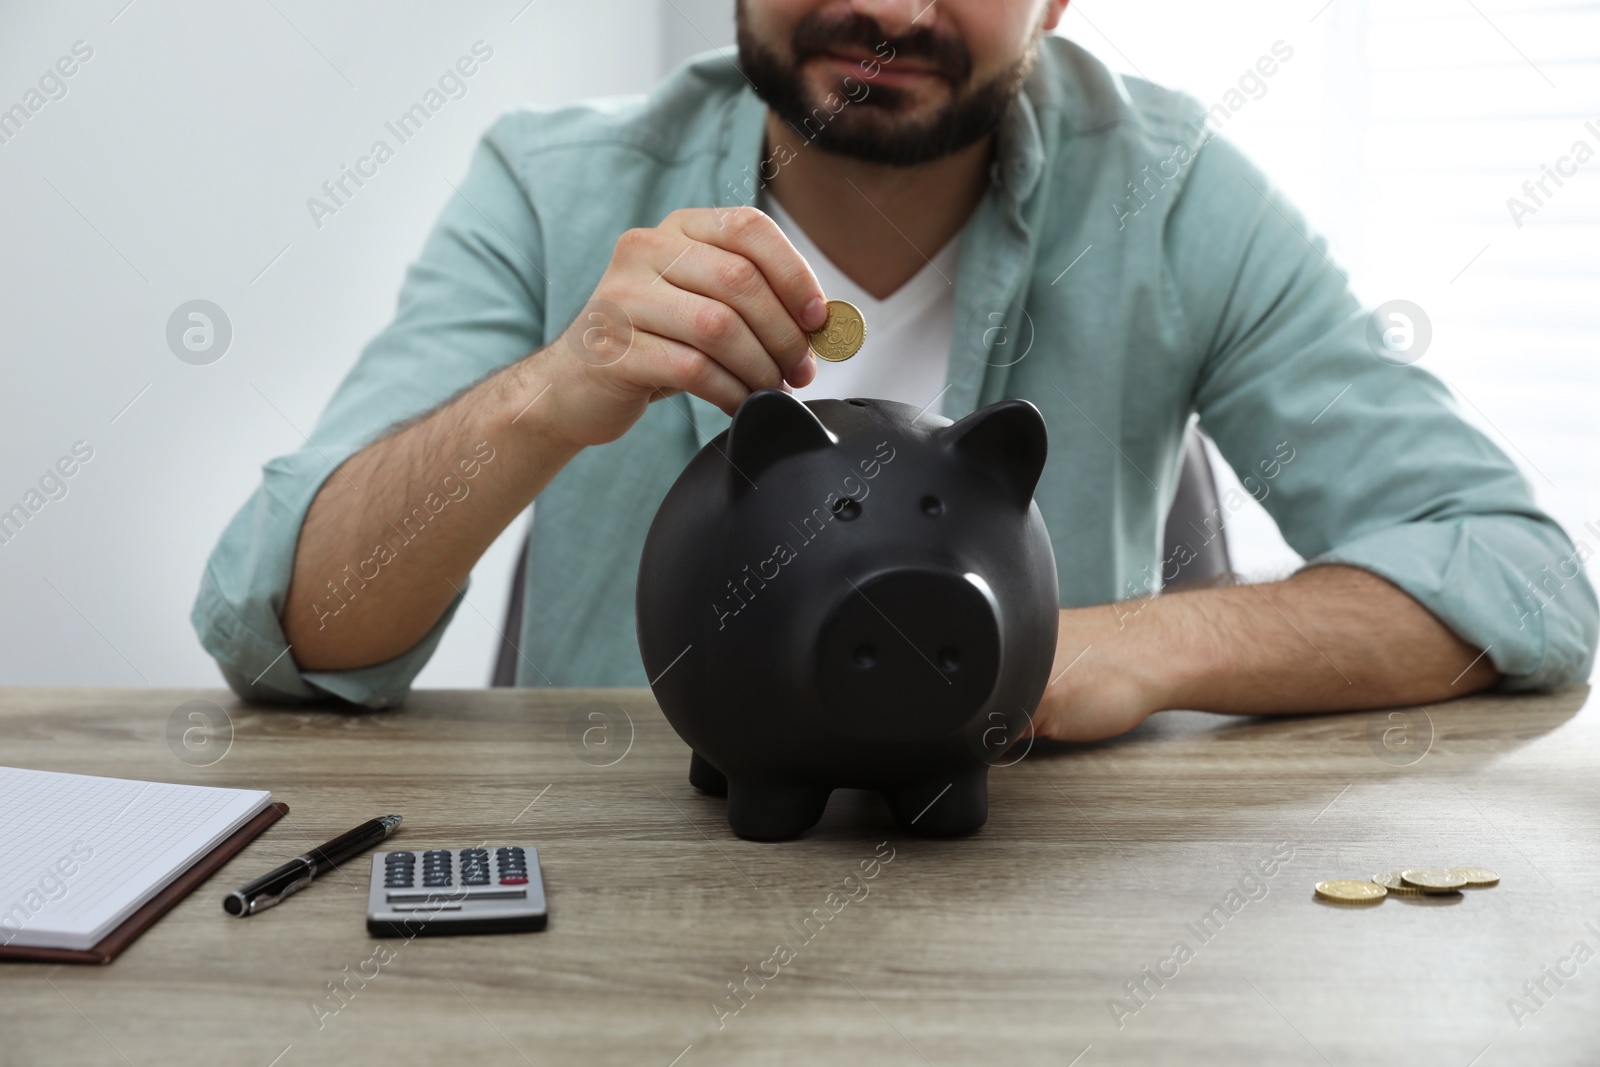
(455,891)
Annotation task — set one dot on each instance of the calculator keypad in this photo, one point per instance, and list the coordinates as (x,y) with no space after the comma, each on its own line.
(513,865)
(399,870)
(474,866)
(436,868)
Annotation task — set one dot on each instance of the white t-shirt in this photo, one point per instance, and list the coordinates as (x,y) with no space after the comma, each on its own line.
(906,355)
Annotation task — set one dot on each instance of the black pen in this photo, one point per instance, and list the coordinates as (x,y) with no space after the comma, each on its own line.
(295,875)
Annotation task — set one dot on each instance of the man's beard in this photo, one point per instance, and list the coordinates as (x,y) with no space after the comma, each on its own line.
(866,126)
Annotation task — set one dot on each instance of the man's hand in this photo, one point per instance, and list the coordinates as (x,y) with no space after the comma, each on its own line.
(1101,684)
(1331,638)
(713,302)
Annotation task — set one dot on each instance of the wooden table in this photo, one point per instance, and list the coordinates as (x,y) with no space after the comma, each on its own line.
(1011,947)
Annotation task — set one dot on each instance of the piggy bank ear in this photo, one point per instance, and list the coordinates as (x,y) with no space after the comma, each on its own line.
(1008,440)
(770,425)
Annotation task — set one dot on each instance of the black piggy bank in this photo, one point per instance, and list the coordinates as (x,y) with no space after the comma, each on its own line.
(851,594)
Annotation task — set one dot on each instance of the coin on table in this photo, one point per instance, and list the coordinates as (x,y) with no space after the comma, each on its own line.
(1351,891)
(1392,881)
(1477,877)
(842,335)
(1433,879)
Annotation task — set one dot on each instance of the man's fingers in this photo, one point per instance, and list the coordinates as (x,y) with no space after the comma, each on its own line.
(711,327)
(752,234)
(734,280)
(673,367)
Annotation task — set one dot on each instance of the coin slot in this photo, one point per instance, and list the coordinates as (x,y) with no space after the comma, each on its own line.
(949,660)
(865,656)
(857,403)
(932,505)
(846,509)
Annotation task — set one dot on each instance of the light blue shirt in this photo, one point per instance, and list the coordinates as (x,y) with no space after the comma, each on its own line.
(1147,270)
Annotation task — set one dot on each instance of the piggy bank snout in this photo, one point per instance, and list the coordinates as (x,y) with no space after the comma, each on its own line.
(909,652)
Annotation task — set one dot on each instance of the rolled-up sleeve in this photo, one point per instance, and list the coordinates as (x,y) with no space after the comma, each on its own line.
(473,302)
(1385,474)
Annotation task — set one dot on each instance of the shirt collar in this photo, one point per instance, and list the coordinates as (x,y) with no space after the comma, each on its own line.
(1019,150)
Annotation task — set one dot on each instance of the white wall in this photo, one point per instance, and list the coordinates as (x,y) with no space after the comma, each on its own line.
(177,166)
(690,26)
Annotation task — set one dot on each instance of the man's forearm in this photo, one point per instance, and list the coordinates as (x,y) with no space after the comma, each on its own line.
(397,528)
(1331,638)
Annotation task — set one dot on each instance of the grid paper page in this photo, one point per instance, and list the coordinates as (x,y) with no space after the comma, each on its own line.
(78,854)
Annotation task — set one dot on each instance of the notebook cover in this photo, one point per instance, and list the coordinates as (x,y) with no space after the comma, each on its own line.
(137,923)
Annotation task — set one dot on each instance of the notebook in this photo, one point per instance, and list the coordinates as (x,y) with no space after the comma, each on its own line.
(81,855)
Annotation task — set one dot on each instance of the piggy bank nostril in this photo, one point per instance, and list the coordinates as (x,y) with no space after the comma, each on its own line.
(932,505)
(948,660)
(846,509)
(865,656)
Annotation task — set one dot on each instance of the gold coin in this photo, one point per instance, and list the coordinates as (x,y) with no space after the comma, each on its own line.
(1477,877)
(1391,881)
(842,335)
(1350,891)
(1433,879)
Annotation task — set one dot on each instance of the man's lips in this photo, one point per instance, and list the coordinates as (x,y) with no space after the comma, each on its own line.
(892,71)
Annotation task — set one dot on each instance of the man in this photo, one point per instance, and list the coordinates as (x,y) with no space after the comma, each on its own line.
(602,294)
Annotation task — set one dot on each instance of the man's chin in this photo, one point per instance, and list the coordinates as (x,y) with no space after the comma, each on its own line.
(881,139)
(880,128)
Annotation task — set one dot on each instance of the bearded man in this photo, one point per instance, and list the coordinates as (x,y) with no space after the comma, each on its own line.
(1015,220)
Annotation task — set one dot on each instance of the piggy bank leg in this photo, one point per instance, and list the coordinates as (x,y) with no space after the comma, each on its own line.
(766,812)
(947,806)
(706,778)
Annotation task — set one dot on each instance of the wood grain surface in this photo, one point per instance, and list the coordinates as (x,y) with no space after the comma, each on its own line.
(1015,946)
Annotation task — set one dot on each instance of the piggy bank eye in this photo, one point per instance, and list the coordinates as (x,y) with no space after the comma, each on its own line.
(932,505)
(846,509)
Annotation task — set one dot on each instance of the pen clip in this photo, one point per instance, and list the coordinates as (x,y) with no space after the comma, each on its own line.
(262,901)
